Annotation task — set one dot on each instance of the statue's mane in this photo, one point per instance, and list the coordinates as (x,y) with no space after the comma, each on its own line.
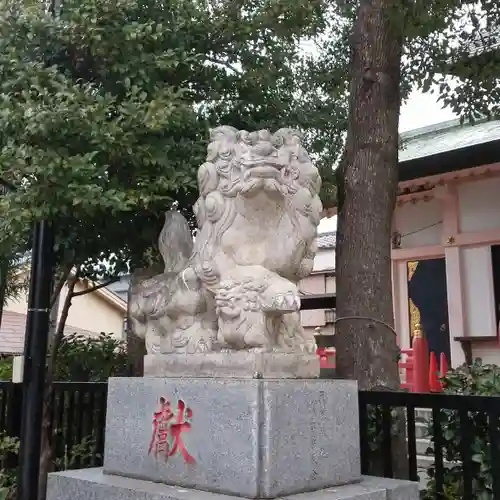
(219,179)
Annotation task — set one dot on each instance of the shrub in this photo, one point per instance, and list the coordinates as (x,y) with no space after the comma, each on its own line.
(91,359)
(8,446)
(478,380)
(6,368)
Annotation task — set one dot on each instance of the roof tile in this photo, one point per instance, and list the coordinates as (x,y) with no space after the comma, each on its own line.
(13,329)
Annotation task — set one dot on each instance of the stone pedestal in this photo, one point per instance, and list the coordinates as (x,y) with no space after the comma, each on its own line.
(239,437)
(252,438)
(237,364)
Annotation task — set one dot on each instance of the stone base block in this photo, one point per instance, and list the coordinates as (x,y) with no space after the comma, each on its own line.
(238,364)
(252,438)
(92,484)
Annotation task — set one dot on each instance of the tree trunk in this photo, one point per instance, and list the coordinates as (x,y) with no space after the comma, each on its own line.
(367,350)
(46,457)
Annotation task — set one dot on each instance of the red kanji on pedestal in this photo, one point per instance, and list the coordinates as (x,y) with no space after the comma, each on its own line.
(167,433)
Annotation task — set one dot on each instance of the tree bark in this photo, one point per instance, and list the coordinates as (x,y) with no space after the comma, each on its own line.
(367,351)
(46,458)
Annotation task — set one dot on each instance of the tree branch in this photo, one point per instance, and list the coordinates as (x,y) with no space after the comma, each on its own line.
(62,323)
(225,64)
(60,283)
(94,288)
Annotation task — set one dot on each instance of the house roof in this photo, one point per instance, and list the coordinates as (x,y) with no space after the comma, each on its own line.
(481,48)
(13,328)
(120,288)
(445,137)
(448,147)
(484,41)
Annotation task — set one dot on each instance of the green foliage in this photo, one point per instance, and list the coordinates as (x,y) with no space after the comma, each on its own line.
(375,433)
(105,110)
(80,453)
(13,273)
(91,359)
(9,446)
(479,380)
(449,49)
(6,368)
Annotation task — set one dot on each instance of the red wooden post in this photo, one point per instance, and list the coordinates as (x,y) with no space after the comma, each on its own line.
(420,362)
(443,367)
(326,357)
(434,383)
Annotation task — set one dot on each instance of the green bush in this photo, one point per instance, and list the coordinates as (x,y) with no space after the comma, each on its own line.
(8,446)
(6,368)
(478,380)
(91,359)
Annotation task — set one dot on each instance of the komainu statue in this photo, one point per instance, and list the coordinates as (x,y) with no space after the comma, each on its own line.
(235,286)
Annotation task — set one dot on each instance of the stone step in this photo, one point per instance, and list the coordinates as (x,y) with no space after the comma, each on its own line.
(92,484)
(422,446)
(421,430)
(423,414)
(423,463)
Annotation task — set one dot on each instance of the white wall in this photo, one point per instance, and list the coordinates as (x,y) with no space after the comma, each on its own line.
(420,224)
(479,205)
(317,284)
(479,210)
(478,291)
(89,312)
(324,260)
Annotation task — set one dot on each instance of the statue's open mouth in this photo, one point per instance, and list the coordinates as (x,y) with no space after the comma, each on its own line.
(262,169)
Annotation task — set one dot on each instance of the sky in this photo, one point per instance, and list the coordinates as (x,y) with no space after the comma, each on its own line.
(422,110)
(419,111)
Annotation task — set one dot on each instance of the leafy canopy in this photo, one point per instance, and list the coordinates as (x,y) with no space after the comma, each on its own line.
(105,110)
(450,48)
(91,359)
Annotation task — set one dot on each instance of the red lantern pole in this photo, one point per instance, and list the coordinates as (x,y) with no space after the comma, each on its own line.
(443,368)
(434,383)
(420,362)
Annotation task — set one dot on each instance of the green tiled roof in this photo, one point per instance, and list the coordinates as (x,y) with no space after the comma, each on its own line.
(446,136)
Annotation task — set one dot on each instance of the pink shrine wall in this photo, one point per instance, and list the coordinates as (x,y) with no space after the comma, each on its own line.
(456,216)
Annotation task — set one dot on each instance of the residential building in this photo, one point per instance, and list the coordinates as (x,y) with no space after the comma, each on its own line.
(321,281)
(90,314)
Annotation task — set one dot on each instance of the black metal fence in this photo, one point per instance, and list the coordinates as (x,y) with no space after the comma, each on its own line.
(458,435)
(460,442)
(77,422)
